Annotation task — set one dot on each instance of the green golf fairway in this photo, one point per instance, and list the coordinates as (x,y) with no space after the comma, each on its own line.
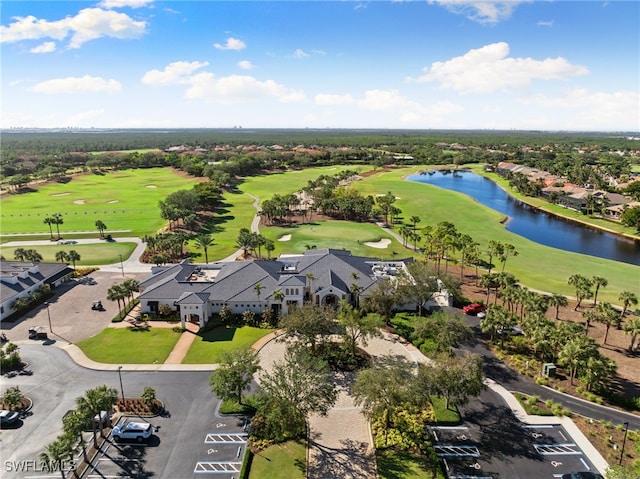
(126,201)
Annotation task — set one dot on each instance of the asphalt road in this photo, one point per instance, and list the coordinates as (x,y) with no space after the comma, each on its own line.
(511,380)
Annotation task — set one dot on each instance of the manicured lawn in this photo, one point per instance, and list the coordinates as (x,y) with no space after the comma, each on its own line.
(208,347)
(403,465)
(444,415)
(279,461)
(99,253)
(124,346)
(337,235)
(536,266)
(125,200)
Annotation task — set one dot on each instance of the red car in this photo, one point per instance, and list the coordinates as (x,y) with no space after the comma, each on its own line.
(474,308)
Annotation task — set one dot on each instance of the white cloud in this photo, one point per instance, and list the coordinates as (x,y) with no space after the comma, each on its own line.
(239,89)
(231,44)
(176,72)
(480,11)
(82,117)
(46,47)
(592,110)
(124,3)
(85,84)
(245,65)
(88,24)
(489,69)
(324,99)
(299,53)
(545,23)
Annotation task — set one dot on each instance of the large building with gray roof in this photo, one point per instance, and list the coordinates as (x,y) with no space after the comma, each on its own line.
(324,277)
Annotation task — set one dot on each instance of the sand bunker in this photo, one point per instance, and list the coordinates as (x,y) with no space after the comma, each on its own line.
(397,197)
(113,201)
(61,194)
(383,243)
(150,186)
(285,238)
(78,202)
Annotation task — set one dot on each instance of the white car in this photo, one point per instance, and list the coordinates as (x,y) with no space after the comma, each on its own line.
(138,431)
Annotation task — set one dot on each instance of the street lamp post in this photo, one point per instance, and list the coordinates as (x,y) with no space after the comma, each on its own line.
(121,265)
(624,441)
(120,377)
(48,316)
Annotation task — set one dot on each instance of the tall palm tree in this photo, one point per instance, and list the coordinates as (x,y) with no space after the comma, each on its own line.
(258,287)
(101,227)
(414,221)
(632,328)
(57,220)
(49,221)
(583,286)
(628,298)
(598,282)
(33,256)
(116,293)
(74,425)
(130,286)
(607,315)
(73,256)
(558,301)
(56,452)
(203,241)
(101,398)
(571,356)
(62,256)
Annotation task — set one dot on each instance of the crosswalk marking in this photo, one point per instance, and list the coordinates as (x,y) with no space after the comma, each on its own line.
(444,451)
(226,438)
(557,449)
(207,467)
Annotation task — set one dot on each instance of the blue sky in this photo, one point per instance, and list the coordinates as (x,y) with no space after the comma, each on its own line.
(567,65)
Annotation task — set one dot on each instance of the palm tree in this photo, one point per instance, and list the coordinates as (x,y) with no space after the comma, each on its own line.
(203,241)
(58,451)
(582,285)
(414,221)
(507,250)
(269,245)
(74,425)
(598,282)
(49,221)
(258,287)
(33,256)
(101,227)
(607,315)
(73,256)
(131,286)
(494,249)
(116,293)
(62,256)
(558,301)
(627,298)
(20,254)
(632,328)
(571,357)
(57,220)
(101,398)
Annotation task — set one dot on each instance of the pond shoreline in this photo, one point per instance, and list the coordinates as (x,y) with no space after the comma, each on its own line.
(635,238)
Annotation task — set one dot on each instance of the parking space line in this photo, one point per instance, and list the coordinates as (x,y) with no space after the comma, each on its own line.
(209,467)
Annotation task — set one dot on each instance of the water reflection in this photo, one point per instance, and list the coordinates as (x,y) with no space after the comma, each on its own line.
(536,225)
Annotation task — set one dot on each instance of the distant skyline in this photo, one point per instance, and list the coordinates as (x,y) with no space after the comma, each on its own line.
(430,64)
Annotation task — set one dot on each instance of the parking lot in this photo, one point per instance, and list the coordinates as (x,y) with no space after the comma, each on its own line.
(491,443)
(218,451)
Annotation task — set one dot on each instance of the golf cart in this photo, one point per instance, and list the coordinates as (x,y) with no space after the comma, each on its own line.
(97,306)
(38,332)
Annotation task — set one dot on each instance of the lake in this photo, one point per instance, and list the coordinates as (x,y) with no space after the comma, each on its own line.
(538,226)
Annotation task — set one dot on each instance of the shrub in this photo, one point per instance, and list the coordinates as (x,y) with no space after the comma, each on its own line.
(12,397)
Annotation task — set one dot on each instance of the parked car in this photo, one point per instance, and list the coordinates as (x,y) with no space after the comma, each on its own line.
(582,475)
(482,314)
(8,417)
(137,431)
(474,308)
